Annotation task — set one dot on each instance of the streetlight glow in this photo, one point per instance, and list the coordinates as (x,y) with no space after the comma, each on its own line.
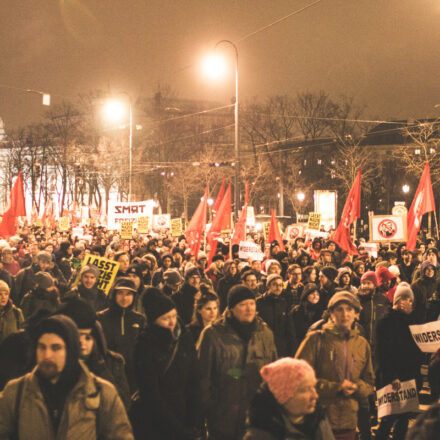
(405,188)
(214,66)
(300,196)
(114,111)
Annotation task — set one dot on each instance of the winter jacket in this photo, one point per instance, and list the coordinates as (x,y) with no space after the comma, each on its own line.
(230,373)
(325,293)
(406,272)
(93,297)
(337,355)
(121,328)
(223,287)
(38,299)
(274,310)
(295,292)
(423,288)
(167,375)
(7,278)
(11,320)
(93,404)
(184,300)
(266,421)
(24,282)
(397,355)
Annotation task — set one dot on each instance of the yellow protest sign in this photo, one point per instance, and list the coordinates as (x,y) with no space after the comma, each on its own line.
(314,221)
(143,225)
(176,227)
(266,229)
(64,224)
(126,230)
(38,223)
(107,271)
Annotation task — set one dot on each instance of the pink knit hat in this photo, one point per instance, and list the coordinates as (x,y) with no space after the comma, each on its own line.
(284,376)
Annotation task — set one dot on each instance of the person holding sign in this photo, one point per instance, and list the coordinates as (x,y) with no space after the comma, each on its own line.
(398,357)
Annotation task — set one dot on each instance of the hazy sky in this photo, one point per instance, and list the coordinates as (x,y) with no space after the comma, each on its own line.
(385,53)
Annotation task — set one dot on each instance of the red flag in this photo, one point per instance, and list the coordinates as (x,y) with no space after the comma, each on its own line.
(221,222)
(352,211)
(240,227)
(423,202)
(196,226)
(16,208)
(219,199)
(48,218)
(274,231)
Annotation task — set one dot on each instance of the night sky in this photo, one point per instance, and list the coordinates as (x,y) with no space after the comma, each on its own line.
(384,53)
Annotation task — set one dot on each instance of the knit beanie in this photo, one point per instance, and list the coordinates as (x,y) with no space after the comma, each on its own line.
(156,304)
(308,289)
(90,268)
(284,376)
(81,313)
(403,291)
(330,272)
(239,293)
(44,256)
(43,280)
(172,276)
(272,277)
(192,271)
(394,269)
(369,276)
(344,297)
(425,265)
(269,263)
(124,283)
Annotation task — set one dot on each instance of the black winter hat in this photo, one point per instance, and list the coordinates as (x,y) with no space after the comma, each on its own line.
(330,272)
(156,304)
(217,258)
(66,329)
(135,269)
(239,293)
(124,283)
(194,271)
(308,289)
(81,313)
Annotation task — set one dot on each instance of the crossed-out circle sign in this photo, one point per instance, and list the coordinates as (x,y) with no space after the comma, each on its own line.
(387,228)
(293,232)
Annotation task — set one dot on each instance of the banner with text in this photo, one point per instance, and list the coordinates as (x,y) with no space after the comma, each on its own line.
(248,249)
(404,400)
(314,223)
(176,227)
(143,225)
(126,230)
(427,336)
(128,211)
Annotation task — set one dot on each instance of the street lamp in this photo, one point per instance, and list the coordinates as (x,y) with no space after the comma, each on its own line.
(214,66)
(300,196)
(405,188)
(114,111)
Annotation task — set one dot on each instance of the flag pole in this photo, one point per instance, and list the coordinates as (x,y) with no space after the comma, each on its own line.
(436,225)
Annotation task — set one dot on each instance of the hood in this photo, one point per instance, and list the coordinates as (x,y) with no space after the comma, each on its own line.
(383,275)
(424,266)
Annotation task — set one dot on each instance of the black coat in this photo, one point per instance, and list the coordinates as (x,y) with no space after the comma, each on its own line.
(223,287)
(96,299)
(167,376)
(184,300)
(302,317)
(274,310)
(397,355)
(423,288)
(121,328)
(325,294)
(266,417)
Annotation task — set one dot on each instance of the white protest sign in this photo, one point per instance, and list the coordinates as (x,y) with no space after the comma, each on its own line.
(397,402)
(370,248)
(119,212)
(427,336)
(387,228)
(162,221)
(249,249)
(250,217)
(77,232)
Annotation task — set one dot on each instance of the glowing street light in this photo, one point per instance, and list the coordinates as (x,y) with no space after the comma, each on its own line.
(300,196)
(214,66)
(405,188)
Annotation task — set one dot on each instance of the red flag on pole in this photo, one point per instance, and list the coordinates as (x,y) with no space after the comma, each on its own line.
(219,199)
(352,211)
(221,222)
(274,231)
(48,218)
(423,202)
(196,226)
(16,208)
(240,227)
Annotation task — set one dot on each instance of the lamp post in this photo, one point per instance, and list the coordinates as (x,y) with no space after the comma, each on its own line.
(114,111)
(213,65)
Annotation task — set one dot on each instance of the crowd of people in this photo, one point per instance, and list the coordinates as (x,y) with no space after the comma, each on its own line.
(293,346)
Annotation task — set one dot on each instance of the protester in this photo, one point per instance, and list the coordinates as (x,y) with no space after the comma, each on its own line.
(294,285)
(11,317)
(61,398)
(424,288)
(327,285)
(285,406)
(186,296)
(230,278)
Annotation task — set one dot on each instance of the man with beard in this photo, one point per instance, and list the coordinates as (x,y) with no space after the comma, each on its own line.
(327,285)
(60,398)
(186,296)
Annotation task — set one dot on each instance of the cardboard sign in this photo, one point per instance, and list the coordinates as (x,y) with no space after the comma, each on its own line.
(427,336)
(248,249)
(314,223)
(119,212)
(64,224)
(294,231)
(176,227)
(161,221)
(387,228)
(266,229)
(143,225)
(126,230)
(108,270)
(397,402)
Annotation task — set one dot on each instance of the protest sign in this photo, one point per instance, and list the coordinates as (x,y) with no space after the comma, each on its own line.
(176,227)
(77,232)
(314,222)
(64,224)
(387,228)
(266,229)
(161,221)
(143,225)
(108,270)
(126,230)
(250,217)
(401,401)
(427,336)
(248,249)
(294,231)
(128,211)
